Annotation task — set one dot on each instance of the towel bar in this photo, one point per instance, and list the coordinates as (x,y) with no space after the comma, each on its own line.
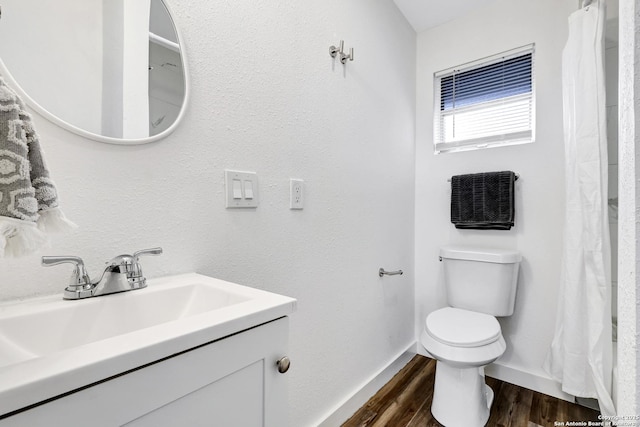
(517,176)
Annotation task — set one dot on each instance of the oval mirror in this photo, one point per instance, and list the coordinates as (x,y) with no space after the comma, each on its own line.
(109,70)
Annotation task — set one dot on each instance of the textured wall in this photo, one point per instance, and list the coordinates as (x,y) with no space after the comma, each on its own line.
(628,400)
(267,97)
(503,25)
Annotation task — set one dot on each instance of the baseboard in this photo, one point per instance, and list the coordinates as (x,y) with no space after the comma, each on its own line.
(358,397)
(530,380)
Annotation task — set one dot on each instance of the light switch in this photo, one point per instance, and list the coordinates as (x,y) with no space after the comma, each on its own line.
(241,189)
(248,190)
(237,189)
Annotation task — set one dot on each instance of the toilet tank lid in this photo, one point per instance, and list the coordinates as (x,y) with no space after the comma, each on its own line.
(501,256)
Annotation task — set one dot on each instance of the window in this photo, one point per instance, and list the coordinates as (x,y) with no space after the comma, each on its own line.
(486,103)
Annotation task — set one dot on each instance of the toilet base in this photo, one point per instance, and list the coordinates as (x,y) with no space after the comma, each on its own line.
(461,398)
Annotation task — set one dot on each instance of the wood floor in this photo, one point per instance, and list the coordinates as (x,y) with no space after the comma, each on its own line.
(405,401)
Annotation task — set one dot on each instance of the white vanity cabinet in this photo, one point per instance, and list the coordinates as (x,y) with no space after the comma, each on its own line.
(231,382)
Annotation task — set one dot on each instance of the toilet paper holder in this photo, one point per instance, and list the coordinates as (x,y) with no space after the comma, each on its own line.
(383,272)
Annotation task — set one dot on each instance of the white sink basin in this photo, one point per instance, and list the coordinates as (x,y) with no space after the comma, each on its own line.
(44,327)
(50,346)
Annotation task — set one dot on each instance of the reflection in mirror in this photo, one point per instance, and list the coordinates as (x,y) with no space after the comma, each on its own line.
(110,70)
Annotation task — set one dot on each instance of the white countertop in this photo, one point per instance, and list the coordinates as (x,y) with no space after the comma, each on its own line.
(37,363)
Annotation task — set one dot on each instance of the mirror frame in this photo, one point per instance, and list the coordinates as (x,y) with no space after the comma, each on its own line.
(94,136)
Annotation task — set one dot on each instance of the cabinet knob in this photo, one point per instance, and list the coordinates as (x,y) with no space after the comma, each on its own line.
(283,364)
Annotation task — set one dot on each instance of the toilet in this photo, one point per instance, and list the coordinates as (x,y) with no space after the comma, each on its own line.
(466,336)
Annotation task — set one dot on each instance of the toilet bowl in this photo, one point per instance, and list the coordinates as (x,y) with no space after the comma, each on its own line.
(462,342)
(466,336)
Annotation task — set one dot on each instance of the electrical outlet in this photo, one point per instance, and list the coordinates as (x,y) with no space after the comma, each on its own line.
(296,200)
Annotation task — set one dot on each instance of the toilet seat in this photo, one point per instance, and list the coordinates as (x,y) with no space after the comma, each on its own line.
(450,336)
(462,328)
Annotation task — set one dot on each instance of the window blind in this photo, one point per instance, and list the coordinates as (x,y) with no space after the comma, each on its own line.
(486,103)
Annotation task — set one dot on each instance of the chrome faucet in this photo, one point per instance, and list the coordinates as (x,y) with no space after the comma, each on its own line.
(123,273)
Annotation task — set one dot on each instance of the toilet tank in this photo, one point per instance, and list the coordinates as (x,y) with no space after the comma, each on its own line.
(482,280)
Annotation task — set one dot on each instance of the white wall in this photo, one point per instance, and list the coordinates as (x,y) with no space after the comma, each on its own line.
(500,26)
(267,97)
(628,398)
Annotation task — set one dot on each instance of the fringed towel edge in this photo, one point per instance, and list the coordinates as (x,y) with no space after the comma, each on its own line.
(54,221)
(19,238)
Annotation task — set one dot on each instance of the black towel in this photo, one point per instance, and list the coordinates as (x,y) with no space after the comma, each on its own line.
(483,201)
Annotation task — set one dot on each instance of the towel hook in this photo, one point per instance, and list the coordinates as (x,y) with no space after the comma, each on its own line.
(334,51)
(343,57)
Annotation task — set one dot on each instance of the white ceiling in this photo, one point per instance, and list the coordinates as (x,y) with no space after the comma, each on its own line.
(425,14)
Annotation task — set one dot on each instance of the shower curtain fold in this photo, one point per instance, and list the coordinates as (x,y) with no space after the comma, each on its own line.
(581,352)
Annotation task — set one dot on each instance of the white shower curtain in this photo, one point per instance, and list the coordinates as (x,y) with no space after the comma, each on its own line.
(581,353)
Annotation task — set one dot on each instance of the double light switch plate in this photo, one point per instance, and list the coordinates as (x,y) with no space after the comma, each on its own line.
(241,189)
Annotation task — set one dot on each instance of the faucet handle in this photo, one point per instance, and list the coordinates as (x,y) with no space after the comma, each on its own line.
(136,277)
(130,264)
(79,282)
(135,268)
(152,251)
